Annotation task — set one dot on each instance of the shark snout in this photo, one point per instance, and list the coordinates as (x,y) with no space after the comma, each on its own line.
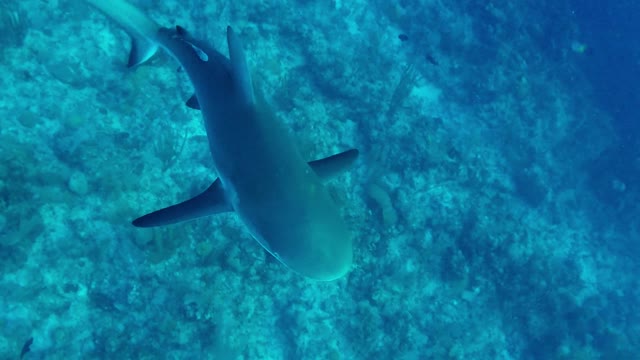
(324,252)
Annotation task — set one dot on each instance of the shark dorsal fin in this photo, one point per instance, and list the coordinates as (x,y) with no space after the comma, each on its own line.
(239,67)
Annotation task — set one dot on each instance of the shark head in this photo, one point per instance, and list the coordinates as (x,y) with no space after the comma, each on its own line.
(302,229)
(322,249)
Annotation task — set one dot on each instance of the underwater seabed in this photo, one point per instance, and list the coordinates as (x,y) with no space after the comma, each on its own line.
(479,229)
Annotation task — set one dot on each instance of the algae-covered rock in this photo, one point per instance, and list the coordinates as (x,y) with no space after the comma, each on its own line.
(21,228)
(78,183)
(383,200)
(13,24)
(28,119)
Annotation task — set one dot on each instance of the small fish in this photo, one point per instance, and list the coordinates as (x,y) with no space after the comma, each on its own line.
(26,347)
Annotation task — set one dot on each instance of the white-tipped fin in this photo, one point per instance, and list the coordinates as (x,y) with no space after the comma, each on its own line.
(242,76)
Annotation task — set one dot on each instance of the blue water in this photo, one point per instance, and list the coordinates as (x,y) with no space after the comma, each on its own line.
(494,206)
(612,64)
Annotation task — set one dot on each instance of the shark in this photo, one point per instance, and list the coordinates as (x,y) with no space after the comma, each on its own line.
(278,195)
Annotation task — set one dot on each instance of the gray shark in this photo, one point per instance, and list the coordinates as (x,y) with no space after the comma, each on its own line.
(262,176)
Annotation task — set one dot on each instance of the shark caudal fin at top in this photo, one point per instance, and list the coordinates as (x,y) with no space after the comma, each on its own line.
(140,28)
(141,51)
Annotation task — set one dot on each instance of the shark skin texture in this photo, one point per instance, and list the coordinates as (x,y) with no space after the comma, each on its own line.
(262,176)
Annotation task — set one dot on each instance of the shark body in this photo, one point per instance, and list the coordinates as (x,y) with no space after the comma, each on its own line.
(261,174)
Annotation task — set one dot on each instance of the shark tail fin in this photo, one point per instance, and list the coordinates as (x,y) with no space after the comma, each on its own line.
(139,26)
(141,51)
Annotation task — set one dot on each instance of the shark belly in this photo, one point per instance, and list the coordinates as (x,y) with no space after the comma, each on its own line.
(278,196)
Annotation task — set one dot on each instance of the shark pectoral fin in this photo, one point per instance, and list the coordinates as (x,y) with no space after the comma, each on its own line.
(239,67)
(141,51)
(211,201)
(193,102)
(334,165)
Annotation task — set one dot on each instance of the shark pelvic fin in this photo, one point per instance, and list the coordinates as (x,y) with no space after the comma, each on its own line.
(193,102)
(239,67)
(211,201)
(334,165)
